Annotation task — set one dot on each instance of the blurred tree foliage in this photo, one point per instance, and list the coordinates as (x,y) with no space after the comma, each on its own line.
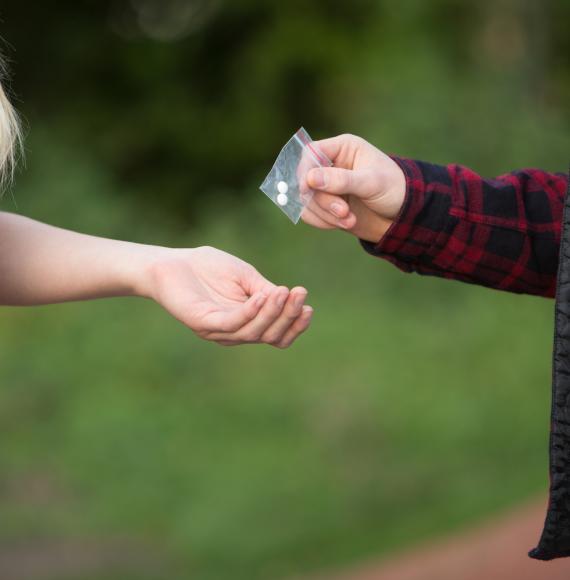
(183,99)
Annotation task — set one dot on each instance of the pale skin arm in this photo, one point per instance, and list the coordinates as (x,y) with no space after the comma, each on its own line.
(218,296)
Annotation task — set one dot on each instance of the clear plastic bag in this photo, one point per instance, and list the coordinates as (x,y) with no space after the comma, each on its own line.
(286,183)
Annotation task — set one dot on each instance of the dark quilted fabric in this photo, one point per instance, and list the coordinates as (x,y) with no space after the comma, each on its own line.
(555,540)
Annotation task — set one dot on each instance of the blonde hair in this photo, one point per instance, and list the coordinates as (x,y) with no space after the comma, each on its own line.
(10,136)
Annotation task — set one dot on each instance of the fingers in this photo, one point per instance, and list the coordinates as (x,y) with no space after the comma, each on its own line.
(311,219)
(331,210)
(271,310)
(333,204)
(278,322)
(297,328)
(229,321)
(340,149)
(339,181)
(254,283)
(253,328)
(290,313)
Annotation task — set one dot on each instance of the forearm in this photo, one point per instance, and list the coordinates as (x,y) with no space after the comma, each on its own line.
(503,233)
(42,264)
(218,296)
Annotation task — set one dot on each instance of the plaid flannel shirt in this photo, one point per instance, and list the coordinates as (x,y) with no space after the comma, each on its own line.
(503,233)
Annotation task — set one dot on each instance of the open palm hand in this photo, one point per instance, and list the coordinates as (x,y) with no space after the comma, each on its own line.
(224,299)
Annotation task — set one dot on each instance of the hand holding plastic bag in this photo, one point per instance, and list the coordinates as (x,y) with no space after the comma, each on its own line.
(286,184)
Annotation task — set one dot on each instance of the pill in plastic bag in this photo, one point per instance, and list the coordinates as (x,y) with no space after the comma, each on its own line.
(286,184)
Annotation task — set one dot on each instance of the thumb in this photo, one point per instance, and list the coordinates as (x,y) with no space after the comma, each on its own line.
(252,282)
(360,183)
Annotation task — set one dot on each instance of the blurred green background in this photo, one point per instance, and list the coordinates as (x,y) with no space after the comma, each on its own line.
(413,407)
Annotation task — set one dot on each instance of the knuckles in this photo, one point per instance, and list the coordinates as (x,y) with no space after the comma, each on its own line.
(351,139)
(271,338)
(249,337)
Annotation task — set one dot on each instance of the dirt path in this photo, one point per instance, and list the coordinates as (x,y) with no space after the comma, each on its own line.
(495,550)
(67,559)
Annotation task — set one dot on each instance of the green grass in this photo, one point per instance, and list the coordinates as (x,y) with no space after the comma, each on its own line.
(413,406)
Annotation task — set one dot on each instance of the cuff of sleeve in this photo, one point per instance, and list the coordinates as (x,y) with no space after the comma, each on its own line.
(412,239)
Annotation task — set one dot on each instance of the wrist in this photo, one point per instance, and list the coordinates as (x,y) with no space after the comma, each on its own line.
(147,271)
(374,230)
(395,191)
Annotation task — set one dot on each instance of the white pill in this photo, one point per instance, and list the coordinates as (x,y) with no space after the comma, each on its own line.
(282,187)
(282,198)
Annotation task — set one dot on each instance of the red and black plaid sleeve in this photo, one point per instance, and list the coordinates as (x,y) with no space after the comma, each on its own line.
(503,233)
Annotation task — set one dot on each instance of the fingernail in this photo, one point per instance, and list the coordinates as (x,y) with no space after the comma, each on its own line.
(299,299)
(336,209)
(341,224)
(317,178)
